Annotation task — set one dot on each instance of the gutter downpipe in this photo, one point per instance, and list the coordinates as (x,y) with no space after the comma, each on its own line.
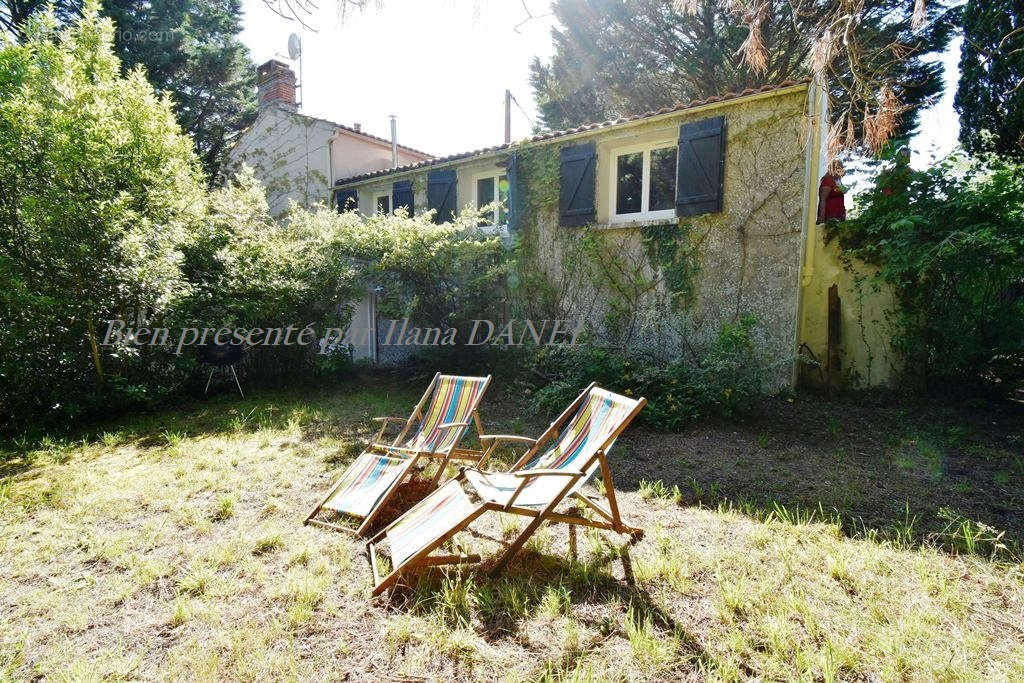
(817,110)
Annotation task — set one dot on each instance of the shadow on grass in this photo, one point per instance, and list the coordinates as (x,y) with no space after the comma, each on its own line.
(318,412)
(536,581)
(917,472)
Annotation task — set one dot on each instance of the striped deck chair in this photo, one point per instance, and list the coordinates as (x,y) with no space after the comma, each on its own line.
(438,423)
(535,485)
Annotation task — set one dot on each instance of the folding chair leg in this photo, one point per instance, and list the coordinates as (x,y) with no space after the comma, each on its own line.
(208,380)
(440,471)
(316,508)
(516,545)
(237,383)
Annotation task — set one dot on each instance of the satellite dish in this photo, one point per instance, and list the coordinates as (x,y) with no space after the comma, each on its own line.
(294,46)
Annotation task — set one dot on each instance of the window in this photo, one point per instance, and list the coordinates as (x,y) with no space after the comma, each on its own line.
(384,204)
(347,200)
(643,182)
(489,189)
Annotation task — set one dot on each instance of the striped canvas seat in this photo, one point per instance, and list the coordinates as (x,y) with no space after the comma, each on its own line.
(454,400)
(589,427)
(436,425)
(365,482)
(428,521)
(587,431)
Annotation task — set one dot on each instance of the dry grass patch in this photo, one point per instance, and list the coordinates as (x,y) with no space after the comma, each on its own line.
(173,548)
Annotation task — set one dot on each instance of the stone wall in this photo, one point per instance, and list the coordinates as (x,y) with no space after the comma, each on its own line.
(744,260)
(666,288)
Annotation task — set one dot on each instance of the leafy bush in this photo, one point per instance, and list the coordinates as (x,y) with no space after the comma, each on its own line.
(436,275)
(950,242)
(726,380)
(247,270)
(98,189)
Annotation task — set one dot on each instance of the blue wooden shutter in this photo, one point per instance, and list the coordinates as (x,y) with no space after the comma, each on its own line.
(401,195)
(700,167)
(441,195)
(348,200)
(577,185)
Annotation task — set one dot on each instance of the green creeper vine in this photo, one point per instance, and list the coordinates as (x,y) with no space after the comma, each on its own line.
(532,292)
(667,262)
(671,251)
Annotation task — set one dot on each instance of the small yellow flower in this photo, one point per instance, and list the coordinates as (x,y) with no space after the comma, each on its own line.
(629,392)
(728,393)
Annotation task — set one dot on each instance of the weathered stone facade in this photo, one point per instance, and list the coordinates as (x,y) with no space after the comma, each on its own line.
(666,287)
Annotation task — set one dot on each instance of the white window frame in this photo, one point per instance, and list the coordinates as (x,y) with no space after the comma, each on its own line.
(377,196)
(645,214)
(495,175)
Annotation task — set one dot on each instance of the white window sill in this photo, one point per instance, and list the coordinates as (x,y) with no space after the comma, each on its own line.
(500,230)
(639,221)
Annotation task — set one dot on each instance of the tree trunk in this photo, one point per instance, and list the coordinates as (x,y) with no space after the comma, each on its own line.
(95,349)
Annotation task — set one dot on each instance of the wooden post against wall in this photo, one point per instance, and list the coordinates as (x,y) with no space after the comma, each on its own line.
(833,363)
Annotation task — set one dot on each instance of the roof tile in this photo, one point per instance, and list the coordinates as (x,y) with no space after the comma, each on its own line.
(579,129)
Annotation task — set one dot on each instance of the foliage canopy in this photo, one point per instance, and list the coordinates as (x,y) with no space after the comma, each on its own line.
(950,241)
(620,57)
(990,96)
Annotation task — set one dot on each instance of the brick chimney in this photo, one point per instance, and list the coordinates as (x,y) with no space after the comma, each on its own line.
(275,82)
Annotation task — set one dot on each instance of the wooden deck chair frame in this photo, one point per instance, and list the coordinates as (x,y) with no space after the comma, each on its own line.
(413,456)
(611,518)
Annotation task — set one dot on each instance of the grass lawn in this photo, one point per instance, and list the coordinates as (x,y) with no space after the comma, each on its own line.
(171,546)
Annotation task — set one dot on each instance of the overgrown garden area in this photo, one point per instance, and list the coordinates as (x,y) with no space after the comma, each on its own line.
(149,531)
(181,533)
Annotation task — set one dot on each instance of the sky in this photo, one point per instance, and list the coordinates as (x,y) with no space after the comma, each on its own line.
(442,66)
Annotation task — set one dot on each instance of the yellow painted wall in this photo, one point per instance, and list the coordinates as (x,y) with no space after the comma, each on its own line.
(866,356)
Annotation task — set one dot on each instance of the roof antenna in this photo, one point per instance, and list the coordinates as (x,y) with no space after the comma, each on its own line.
(295,52)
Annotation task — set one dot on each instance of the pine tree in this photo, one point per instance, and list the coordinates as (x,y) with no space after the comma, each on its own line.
(620,57)
(190,49)
(990,96)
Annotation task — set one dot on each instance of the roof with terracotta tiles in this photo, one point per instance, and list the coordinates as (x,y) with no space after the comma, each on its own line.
(350,129)
(569,131)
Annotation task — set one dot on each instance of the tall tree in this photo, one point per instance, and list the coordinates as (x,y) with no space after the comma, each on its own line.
(14,14)
(616,57)
(98,191)
(191,50)
(990,96)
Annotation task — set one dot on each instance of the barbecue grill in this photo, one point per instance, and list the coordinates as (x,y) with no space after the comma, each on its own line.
(221,356)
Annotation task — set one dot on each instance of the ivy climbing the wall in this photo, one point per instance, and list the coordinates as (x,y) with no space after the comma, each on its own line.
(949,242)
(673,254)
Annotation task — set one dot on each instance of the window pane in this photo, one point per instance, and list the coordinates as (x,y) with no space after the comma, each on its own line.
(503,198)
(663,179)
(484,196)
(384,204)
(629,183)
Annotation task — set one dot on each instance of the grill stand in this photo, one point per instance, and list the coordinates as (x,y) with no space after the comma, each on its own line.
(233,374)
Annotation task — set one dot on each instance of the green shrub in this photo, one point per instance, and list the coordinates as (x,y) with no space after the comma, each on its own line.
(950,242)
(99,190)
(726,380)
(436,275)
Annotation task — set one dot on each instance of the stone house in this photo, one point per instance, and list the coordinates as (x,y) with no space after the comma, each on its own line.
(658,228)
(298,157)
